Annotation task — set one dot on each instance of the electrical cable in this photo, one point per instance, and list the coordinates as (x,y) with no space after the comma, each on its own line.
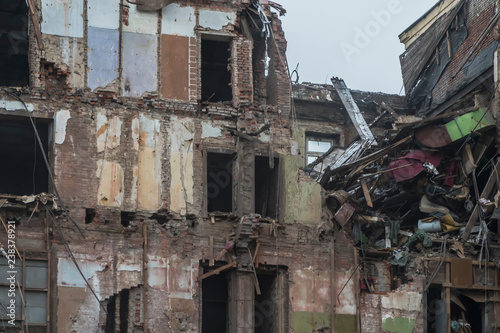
(70,253)
(51,177)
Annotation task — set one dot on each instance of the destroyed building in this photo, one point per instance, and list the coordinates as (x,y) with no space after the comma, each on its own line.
(161,173)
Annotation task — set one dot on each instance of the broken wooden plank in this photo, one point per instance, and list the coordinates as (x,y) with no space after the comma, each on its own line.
(256,253)
(353,110)
(36,25)
(211,251)
(366,193)
(217,271)
(391,110)
(484,194)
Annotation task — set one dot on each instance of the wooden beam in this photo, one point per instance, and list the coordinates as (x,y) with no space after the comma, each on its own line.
(36,25)
(484,194)
(217,271)
(448,42)
(211,251)
(366,193)
(391,110)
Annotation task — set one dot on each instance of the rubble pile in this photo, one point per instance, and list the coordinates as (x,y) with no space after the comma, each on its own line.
(425,180)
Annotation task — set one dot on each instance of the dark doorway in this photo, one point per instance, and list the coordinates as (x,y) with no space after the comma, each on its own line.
(219,182)
(266,187)
(14,43)
(214,304)
(23,170)
(215,74)
(266,310)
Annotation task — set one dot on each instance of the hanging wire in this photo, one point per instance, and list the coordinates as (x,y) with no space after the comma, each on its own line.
(70,253)
(51,177)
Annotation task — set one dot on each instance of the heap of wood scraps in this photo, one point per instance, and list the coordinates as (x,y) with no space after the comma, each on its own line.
(437,176)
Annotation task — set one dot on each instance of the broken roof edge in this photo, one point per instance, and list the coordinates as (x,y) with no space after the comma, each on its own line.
(430,16)
(329,88)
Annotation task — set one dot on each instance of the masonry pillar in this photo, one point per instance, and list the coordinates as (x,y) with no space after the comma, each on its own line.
(246,177)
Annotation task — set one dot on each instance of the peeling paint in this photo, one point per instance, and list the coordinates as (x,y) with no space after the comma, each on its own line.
(216,20)
(141,22)
(408,301)
(62,18)
(157,272)
(177,20)
(208,131)
(111,185)
(60,122)
(135,133)
(149,166)
(181,277)
(108,131)
(68,275)
(15,106)
(181,164)
(398,325)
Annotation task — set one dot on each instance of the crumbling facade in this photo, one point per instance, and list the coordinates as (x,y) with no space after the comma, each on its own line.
(161,173)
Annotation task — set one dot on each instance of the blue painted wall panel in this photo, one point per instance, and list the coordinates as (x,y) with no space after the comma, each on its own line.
(103,56)
(139,63)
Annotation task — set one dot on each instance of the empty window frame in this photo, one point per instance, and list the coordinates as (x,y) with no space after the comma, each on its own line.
(32,276)
(267,187)
(317,145)
(214,304)
(117,309)
(23,170)
(219,182)
(215,74)
(14,43)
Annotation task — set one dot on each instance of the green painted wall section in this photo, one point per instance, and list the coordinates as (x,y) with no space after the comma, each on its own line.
(308,322)
(345,323)
(399,325)
(302,198)
(472,121)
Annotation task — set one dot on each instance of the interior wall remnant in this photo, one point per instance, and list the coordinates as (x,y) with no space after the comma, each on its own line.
(175,67)
(219,182)
(215,74)
(181,164)
(23,168)
(14,43)
(266,305)
(267,187)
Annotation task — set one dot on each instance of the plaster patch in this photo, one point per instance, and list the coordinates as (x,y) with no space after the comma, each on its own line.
(68,275)
(216,20)
(177,20)
(15,106)
(141,22)
(404,301)
(181,164)
(62,18)
(60,122)
(111,185)
(103,14)
(208,131)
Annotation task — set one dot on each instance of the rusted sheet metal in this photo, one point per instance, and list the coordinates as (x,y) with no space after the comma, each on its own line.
(461,273)
(352,109)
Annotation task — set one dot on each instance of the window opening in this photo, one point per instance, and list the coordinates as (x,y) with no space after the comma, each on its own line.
(14,43)
(266,187)
(214,304)
(219,182)
(316,146)
(23,168)
(33,284)
(215,74)
(265,305)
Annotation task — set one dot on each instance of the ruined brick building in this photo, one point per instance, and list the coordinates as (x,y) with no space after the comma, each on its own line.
(163,174)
